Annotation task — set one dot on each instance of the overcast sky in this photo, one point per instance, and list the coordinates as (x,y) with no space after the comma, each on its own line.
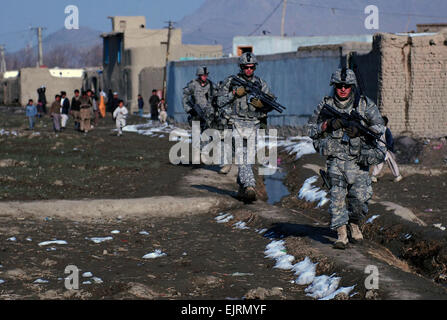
(16,16)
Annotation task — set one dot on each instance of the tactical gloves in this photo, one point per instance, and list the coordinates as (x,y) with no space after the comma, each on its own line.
(256,103)
(336,124)
(352,131)
(240,91)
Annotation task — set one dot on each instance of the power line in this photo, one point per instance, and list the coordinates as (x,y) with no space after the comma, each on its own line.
(361,10)
(268,17)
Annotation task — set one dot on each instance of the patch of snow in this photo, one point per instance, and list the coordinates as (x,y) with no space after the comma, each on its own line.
(370,220)
(97,280)
(40,281)
(439,226)
(156,254)
(45,243)
(99,239)
(284,262)
(115,231)
(145,233)
(345,290)
(87,275)
(322,286)
(12,239)
(223,218)
(241,225)
(311,193)
(300,148)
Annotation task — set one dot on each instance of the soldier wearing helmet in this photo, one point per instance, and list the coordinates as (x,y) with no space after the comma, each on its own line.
(348,155)
(241,111)
(200,92)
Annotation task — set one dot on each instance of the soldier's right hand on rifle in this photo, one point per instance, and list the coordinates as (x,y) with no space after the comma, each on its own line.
(239,91)
(332,124)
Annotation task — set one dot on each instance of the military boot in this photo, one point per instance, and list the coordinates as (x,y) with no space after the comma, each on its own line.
(225,169)
(342,240)
(356,234)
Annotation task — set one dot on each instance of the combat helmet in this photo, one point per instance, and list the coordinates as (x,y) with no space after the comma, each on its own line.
(201,70)
(344,75)
(247,58)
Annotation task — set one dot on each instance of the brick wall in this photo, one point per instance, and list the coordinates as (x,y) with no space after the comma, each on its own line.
(412,83)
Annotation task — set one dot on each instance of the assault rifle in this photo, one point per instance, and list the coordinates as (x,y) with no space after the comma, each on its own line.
(255,92)
(352,119)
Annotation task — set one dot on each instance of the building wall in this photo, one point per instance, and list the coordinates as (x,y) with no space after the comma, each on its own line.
(299,80)
(10,91)
(33,78)
(274,44)
(412,88)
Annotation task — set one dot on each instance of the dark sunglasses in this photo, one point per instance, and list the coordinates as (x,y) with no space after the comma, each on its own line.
(247,67)
(342,85)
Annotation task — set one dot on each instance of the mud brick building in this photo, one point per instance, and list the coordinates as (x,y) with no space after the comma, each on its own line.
(410,73)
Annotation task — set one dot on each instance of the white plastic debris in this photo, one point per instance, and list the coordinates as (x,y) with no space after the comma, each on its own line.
(87,274)
(156,254)
(311,193)
(223,218)
(100,239)
(370,220)
(40,281)
(46,243)
(240,225)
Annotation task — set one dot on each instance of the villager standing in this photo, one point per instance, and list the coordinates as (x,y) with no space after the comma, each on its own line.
(31,112)
(140,105)
(76,110)
(153,101)
(65,103)
(86,112)
(55,113)
(349,154)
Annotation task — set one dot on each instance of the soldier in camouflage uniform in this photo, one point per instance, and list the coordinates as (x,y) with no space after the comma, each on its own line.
(348,155)
(200,92)
(242,111)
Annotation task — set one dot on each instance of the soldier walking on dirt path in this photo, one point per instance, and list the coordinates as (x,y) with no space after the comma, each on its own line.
(244,113)
(349,154)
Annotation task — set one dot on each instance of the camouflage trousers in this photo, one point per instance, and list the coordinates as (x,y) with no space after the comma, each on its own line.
(350,192)
(246,132)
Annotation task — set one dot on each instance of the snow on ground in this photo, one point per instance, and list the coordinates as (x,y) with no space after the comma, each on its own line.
(319,287)
(370,220)
(46,243)
(156,254)
(439,226)
(40,281)
(311,193)
(223,218)
(99,239)
(241,225)
(4,132)
(301,147)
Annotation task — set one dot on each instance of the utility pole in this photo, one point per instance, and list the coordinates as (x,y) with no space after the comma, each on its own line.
(170,27)
(40,50)
(2,61)
(283,18)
